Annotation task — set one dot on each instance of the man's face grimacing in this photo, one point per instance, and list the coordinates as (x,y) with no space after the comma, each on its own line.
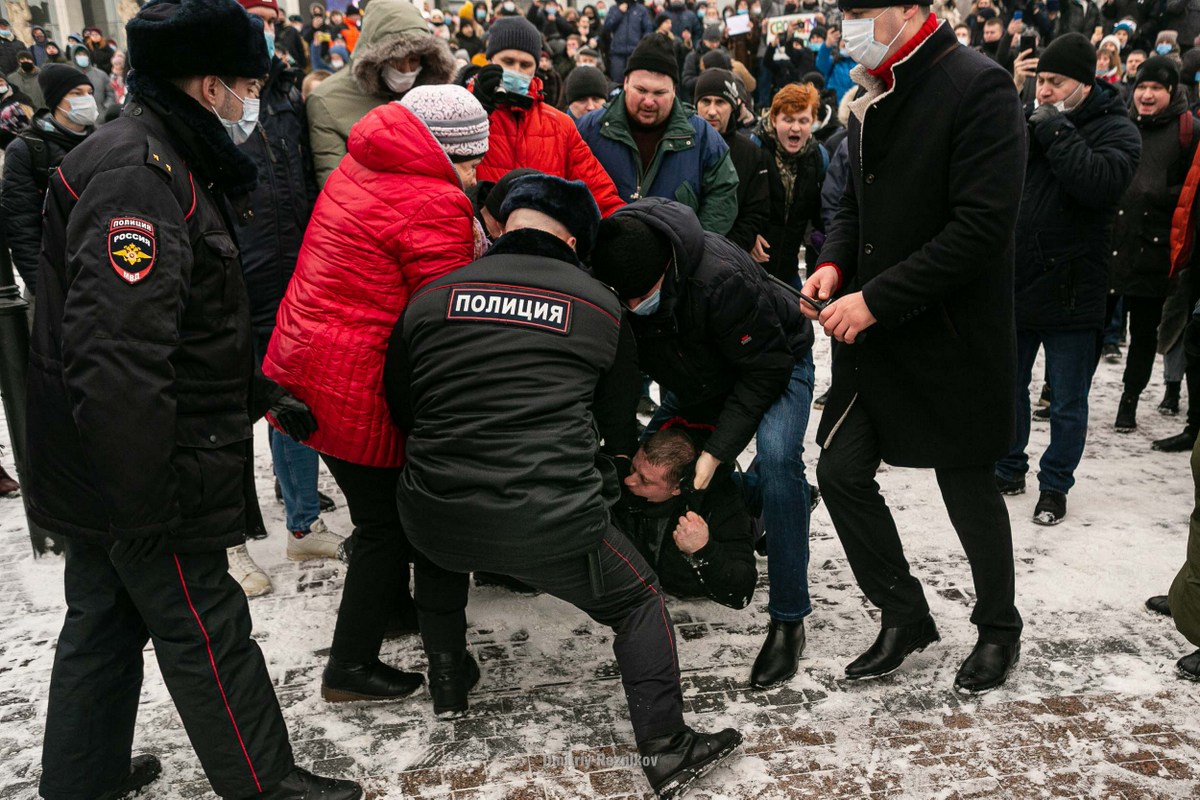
(1150,98)
(586,105)
(716,111)
(1054,88)
(516,61)
(649,481)
(649,97)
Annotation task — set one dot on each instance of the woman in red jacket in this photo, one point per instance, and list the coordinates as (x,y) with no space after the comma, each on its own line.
(391,218)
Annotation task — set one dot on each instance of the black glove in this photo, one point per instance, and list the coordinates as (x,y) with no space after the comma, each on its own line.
(1044,113)
(293,417)
(487,81)
(137,551)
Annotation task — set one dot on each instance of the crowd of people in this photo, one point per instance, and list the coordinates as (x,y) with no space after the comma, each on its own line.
(447,254)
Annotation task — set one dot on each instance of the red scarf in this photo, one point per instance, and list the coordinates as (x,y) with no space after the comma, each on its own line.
(884,70)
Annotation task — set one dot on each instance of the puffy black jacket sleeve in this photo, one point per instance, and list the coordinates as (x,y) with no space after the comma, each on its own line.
(118,339)
(747,332)
(726,566)
(397,378)
(754,203)
(615,407)
(21,210)
(1096,173)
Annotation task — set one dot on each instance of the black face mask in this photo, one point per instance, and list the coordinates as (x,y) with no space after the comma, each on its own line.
(27,66)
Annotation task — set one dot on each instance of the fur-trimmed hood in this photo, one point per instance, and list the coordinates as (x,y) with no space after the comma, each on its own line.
(395,29)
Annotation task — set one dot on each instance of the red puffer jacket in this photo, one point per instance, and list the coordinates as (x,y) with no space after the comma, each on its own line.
(544,138)
(392,217)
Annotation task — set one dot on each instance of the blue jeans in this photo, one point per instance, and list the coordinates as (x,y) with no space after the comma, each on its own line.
(1070,363)
(777,476)
(1116,323)
(296,468)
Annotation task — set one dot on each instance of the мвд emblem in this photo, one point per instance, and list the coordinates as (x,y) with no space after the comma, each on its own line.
(132,248)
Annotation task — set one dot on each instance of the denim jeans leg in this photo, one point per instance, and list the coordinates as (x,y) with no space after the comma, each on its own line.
(296,468)
(1070,358)
(668,407)
(779,467)
(1016,463)
(1116,321)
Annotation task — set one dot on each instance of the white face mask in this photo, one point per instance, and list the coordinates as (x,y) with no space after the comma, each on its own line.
(858,37)
(399,82)
(1061,105)
(239,130)
(83,110)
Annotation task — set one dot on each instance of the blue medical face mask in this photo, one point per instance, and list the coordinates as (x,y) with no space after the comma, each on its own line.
(1163,49)
(650,304)
(1196,78)
(815,46)
(515,82)
(270,37)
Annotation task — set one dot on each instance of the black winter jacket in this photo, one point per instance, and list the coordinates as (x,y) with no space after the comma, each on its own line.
(508,373)
(791,224)
(22,193)
(724,570)
(1079,166)
(283,199)
(754,192)
(725,338)
(1141,242)
(142,386)
(788,63)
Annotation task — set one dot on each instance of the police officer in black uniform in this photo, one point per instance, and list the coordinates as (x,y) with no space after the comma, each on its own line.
(142,392)
(509,374)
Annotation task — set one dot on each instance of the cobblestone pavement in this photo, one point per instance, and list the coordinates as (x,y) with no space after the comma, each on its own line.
(1094,709)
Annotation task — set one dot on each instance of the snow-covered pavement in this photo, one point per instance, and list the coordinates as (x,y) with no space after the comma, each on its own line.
(1094,709)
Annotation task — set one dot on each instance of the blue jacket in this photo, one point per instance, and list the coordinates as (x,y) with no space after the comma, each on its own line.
(692,163)
(627,29)
(836,71)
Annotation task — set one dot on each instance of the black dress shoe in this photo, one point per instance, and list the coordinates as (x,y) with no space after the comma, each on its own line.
(1189,666)
(986,668)
(891,647)
(674,762)
(452,676)
(143,770)
(346,682)
(300,784)
(1159,604)
(779,657)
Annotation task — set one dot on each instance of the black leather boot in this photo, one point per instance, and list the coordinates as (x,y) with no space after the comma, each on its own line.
(300,784)
(891,647)
(1160,604)
(1126,414)
(673,762)
(987,667)
(143,770)
(1189,666)
(452,676)
(779,657)
(1179,443)
(346,682)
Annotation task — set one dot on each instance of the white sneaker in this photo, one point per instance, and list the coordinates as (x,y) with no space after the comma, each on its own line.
(319,542)
(254,581)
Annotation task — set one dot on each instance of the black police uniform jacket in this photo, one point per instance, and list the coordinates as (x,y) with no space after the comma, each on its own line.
(725,338)
(507,374)
(141,372)
(925,232)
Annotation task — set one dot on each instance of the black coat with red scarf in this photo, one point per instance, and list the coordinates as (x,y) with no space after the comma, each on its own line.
(925,232)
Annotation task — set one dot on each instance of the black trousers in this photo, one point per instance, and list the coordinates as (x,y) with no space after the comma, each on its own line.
(199,621)
(1145,314)
(614,586)
(846,475)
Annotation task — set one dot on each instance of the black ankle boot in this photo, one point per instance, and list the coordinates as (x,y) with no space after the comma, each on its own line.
(300,784)
(779,657)
(347,682)
(1126,414)
(986,668)
(1169,406)
(675,761)
(1179,443)
(452,676)
(891,647)
(143,770)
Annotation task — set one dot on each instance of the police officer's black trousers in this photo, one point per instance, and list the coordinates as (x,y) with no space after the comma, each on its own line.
(199,621)
(614,586)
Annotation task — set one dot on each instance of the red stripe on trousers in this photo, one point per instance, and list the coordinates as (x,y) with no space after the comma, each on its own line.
(213,662)
(662,605)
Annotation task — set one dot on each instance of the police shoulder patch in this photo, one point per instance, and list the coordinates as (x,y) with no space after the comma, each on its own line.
(514,305)
(132,248)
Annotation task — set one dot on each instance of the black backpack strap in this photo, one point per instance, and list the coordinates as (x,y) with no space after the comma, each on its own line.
(39,159)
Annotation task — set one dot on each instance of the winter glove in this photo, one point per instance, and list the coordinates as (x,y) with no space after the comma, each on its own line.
(486,83)
(293,417)
(1043,113)
(127,552)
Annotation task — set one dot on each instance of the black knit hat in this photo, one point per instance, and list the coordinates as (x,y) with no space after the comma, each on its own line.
(1159,69)
(654,54)
(716,59)
(514,33)
(494,199)
(1071,55)
(717,83)
(585,82)
(568,202)
(181,38)
(630,256)
(660,19)
(712,33)
(56,80)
